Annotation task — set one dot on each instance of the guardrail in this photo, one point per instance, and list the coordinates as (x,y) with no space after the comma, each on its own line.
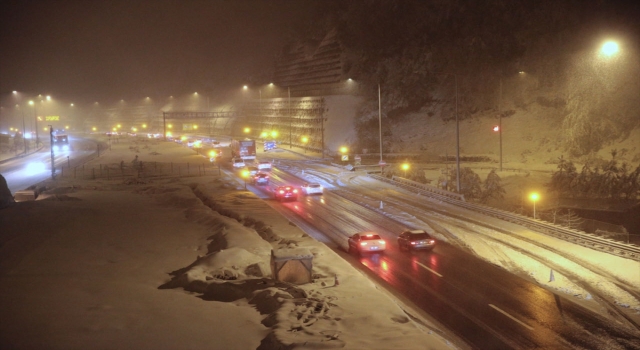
(630,251)
(428,188)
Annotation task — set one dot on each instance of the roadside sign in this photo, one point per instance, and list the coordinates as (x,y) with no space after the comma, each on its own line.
(358,160)
(345,157)
(382,163)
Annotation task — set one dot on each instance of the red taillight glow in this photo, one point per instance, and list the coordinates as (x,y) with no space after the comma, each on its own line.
(281,192)
(295,191)
(413,243)
(382,241)
(363,243)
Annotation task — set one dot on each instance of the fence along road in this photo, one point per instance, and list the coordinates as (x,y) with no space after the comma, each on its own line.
(630,251)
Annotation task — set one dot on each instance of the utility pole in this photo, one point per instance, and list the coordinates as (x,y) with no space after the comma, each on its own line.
(289,93)
(500,121)
(24,138)
(53,168)
(455,76)
(380,126)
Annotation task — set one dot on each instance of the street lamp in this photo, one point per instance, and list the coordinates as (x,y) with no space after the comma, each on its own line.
(534,197)
(245,175)
(35,113)
(405,167)
(304,142)
(53,168)
(610,48)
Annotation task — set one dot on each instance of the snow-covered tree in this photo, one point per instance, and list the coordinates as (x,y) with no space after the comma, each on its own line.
(492,187)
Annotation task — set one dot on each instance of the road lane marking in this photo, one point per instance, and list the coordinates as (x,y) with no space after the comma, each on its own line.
(430,270)
(511,317)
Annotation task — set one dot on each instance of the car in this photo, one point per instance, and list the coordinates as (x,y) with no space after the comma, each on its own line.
(285,192)
(252,170)
(260,179)
(366,242)
(415,239)
(238,163)
(312,188)
(264,165)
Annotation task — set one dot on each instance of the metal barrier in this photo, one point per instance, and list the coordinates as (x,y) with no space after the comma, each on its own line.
(630,251)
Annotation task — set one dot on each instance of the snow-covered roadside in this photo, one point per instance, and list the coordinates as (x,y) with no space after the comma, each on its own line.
(319,314)
(81,268)
(560,266)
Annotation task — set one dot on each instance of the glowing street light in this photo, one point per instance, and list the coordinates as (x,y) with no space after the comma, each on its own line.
(305,140)
(534,197)
(247,130)
(274,134)
(343,150)
(610,48)
(405,167)
(94,128)
(195,127)
(245,175)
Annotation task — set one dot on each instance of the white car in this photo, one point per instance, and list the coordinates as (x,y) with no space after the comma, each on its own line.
(312,188)
(366,242)
(238,163)
(264,165)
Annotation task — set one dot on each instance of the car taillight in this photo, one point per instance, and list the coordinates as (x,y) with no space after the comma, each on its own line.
(413,243)
(382,241)
(295,191)
(281,191)
(363,243)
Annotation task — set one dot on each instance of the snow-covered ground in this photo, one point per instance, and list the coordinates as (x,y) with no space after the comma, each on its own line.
(179,263)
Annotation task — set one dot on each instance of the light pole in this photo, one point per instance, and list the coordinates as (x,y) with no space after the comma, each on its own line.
(534,197)
(405,167)
(290,121)
(455,76)
(380,123)
(304,142)
(500,121)
(35,114)
(53,168)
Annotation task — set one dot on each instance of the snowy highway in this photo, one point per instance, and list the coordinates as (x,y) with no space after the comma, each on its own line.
(474,282)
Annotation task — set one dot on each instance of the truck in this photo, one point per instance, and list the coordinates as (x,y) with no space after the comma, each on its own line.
(269,145)
(245,149)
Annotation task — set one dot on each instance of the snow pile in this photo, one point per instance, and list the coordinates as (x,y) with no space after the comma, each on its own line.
(320,314)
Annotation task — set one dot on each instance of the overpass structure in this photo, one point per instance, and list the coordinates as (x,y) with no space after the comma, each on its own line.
(215,120)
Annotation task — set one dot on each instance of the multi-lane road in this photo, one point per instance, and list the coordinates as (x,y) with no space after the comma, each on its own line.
(485,305)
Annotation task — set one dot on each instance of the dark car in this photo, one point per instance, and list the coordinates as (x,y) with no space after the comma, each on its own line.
(285,192)
(366,242)
(416,239)
(260,179)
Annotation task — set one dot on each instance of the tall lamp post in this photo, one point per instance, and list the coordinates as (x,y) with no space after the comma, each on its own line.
(534,197)
(500,121)
(290,119)
(53,168)
(35,114)
(455,76)
(380,124)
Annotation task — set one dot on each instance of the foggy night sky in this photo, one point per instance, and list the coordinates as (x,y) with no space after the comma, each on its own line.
(107,50)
